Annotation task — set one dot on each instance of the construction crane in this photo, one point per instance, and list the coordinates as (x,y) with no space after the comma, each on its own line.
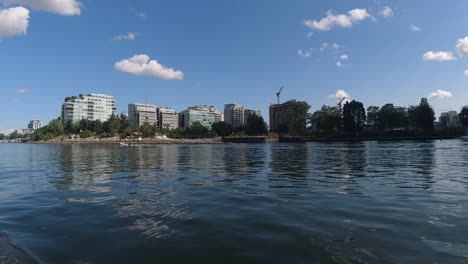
(341,101)
(278,94)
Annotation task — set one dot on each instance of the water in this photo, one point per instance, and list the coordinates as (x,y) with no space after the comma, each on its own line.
(269,203)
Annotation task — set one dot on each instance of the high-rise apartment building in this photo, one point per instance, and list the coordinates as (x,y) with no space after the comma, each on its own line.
(35,124)
(234,115)
(139,114)
(279,116)
(167,118)
(206,115)
(90,107)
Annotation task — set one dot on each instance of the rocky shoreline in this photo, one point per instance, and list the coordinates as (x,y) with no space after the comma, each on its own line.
(117,141)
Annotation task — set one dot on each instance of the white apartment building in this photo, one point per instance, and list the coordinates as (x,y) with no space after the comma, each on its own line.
(139,114)
(449,119)
(90,107)
(35,124)
(167,118)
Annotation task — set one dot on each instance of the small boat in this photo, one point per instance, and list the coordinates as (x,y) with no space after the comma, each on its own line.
(124,144)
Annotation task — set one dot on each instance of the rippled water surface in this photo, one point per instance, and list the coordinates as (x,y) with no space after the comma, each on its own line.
(373,202)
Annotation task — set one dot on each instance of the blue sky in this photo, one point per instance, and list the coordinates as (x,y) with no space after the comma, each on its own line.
(223,51)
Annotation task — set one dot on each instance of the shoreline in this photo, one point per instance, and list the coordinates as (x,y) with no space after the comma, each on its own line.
(237,140)
(113,141)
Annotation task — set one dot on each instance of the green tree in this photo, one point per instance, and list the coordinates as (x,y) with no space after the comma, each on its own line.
(14,135)
(2,136)
(70,128)
(40,134)
(95,126)
(373,117)
(148,130)
(83,125)
(222,129)
(255,126)
(55,128)
(328,119)
(464,116)
(86,134)
(391,117)
(124,122)
(354,117)
(297,116)
(422,116)
(197,130)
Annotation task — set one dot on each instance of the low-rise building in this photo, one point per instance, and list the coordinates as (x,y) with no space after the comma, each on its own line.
(90,107)
(449,119)
(139,114)
(167,118)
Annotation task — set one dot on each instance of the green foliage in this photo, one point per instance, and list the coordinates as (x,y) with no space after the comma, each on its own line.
(297,117)
(373,117)
(464,116)
(40,134)
(14,135)
(354,117)
(422,116)
(255,126)
(2,137)
(148,130)
(197,130)
(86,134)
(55,128)
(177,133)
(69,98)
(391,117)
(222,129)
(328,119)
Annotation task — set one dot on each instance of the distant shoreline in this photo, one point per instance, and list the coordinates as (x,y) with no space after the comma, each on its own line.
(148,141)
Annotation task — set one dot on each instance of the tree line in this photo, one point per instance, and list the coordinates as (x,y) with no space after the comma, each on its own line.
(120,126)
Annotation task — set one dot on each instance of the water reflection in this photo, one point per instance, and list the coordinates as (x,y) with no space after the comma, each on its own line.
(288,165)
(372,202)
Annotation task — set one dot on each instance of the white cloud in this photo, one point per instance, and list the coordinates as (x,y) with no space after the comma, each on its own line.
(344,57)
(414,28)
(339,95)
(386,12)
(466,73)
(324,47)
(336,46)
(61,7)
(22,91)
(310,35)
(440,94)
(141,65)
(340,20)
(339,64)
(13,21)
(462,47)
(128,36)
(304,53)
(438,56)
(138,13)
